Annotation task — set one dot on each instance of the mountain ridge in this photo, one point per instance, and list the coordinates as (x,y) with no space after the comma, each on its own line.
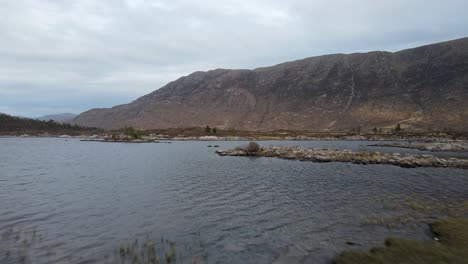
(61,117)
(323,93)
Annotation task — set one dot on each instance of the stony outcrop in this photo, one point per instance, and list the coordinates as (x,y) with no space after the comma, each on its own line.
(422,88)
(340,155)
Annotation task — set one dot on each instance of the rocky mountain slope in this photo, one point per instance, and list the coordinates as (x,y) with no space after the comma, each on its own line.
(421,88)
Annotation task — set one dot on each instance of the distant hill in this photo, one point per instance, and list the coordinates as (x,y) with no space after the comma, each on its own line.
(60,118)
(421,88)
(12,125)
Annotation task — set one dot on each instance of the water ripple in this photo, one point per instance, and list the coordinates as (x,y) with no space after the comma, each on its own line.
(84,199)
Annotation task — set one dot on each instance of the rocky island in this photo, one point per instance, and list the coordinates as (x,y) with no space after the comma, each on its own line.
(338,155)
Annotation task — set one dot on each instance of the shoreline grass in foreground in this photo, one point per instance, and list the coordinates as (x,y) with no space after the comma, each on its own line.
(450,245)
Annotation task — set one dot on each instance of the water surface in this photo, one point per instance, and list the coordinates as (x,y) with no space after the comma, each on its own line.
(86,198)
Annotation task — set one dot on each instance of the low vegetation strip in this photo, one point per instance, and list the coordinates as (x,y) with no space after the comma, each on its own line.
(17,126)
(339,155)
(450,245)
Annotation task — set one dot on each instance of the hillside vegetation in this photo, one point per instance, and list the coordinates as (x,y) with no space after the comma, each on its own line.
(12,125)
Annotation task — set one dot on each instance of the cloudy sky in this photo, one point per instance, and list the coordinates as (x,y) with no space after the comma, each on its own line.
(72,55)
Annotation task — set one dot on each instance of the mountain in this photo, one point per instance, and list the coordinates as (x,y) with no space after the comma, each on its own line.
(61,118)
(421,88)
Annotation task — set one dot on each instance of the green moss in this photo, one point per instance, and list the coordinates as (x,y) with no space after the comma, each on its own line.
(452,247)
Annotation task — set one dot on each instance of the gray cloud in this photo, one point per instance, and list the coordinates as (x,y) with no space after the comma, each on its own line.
(68,55)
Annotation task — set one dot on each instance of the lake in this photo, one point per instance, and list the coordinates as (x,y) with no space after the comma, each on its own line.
(66,201)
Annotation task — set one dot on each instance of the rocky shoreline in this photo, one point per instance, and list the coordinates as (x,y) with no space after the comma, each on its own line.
(433,142)
(339,155)
(123,141)
(461,146)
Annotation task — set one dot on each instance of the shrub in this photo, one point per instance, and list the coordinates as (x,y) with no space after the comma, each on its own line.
(253,147)
(132,133)
(398,128)
(115,136)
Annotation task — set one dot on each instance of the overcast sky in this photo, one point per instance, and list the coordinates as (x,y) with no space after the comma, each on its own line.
(72,55)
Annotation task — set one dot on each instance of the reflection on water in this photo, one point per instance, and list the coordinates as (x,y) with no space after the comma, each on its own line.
(87,199)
